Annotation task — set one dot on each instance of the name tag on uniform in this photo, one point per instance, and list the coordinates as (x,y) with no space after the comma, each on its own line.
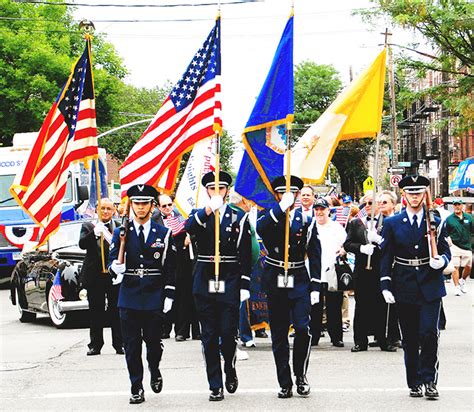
(216,287)
(288,283)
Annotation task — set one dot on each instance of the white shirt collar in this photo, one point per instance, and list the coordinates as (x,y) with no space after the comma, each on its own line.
(146,228)
(419,216)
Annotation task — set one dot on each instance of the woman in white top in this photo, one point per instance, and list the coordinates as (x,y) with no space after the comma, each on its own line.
(332,236)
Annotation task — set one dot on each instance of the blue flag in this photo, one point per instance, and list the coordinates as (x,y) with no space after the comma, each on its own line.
(104,191)
(264,136)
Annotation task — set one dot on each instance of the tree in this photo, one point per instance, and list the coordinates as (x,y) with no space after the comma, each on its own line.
(316,87)
(38,47)
(447,26)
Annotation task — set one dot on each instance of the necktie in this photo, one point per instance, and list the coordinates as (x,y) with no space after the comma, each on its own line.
(141,236)
(414,225)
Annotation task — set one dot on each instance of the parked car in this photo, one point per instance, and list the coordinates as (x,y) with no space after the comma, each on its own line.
(33,276)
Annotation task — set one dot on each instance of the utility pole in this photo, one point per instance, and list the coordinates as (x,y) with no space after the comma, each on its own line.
(393,107)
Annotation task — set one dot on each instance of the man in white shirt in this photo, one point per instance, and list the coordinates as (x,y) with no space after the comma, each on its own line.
(332,236)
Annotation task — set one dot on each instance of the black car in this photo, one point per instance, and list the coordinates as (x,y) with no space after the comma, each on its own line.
(32,280)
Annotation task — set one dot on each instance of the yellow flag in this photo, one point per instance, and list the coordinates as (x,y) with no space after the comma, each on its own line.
(356,113)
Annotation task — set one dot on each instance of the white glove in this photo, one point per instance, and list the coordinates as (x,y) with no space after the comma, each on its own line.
(99,228)
(314,296)
(244,295)
(118,280)
(215,202)
(388,296)
(286,201)
(167,305)
(117,267)
(374,237)
(367,249)
(437,262)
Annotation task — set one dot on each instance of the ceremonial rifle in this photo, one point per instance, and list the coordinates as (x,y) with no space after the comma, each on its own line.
(430,224)
(123,232)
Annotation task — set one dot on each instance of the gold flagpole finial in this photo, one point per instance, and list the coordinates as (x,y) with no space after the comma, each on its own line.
(87,27)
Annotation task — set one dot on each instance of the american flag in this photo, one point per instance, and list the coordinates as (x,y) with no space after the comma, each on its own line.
(68,134)
(175,222)
(362,213)
(190,113)
(342,215)
(56,291)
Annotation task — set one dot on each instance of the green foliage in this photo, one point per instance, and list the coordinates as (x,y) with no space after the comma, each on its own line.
(316,86)
(448,26)
(36,57)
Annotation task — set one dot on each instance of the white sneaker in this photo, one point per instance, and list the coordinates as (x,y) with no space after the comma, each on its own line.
(249,344)
(242,355)
(457,291)
(462,285)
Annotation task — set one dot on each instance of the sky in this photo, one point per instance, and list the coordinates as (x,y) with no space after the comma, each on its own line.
(159,50)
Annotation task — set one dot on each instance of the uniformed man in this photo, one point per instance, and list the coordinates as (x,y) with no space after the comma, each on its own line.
(147,289)
(290,297)
(217,303)
(412,277)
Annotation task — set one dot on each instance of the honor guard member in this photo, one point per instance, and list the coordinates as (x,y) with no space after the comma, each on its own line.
(414,280)
(147,288)
(217,303)
(290,295)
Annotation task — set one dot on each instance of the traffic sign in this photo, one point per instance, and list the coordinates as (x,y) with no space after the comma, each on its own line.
(368,184)
(394,180)
(397,170)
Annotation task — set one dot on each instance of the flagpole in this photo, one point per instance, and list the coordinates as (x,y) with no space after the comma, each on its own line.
(88,29)
(372,209)
(288,178)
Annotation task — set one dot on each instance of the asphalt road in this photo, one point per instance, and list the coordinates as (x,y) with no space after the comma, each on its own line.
(42,368)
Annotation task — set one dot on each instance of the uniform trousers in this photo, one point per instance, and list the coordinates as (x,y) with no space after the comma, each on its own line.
(370,312)
(138,326)
(420,334)
(333,302)
(283,312)
(96,295)
(219,325)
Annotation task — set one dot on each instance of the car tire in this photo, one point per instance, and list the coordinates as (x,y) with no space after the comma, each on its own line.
(60,320)
(25,316)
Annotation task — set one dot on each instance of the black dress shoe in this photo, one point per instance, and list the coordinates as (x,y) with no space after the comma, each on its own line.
(338,344)
(430,390)
(231,382)
(216,395)
(119,351)
(416,391)
(92,352)
(397,344)
(374,344)
(285,393)
(156,382)
(137,398)
(302,386)
(261,333)
(179,338)
(359,348)
(197,337)
(388,348)
(165,335)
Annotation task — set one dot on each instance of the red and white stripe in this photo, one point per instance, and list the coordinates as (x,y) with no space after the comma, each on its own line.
(170,134)
(342,215)
(175,224)
(41,186)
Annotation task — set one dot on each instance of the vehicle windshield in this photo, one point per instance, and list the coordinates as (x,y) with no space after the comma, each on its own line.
(6,199)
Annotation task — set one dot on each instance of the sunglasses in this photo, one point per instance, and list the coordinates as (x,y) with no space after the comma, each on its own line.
(369,203)
(167,205)
(383,202)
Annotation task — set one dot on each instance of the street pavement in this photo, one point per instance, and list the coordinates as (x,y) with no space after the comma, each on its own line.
(43,368)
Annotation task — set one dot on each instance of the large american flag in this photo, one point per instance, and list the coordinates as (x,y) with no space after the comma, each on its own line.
(68,134)
(190,113)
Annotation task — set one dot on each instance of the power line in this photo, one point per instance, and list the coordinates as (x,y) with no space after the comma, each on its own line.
(54,3)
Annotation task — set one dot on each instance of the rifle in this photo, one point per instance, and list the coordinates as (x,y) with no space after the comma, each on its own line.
(430,225)
(123,232)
